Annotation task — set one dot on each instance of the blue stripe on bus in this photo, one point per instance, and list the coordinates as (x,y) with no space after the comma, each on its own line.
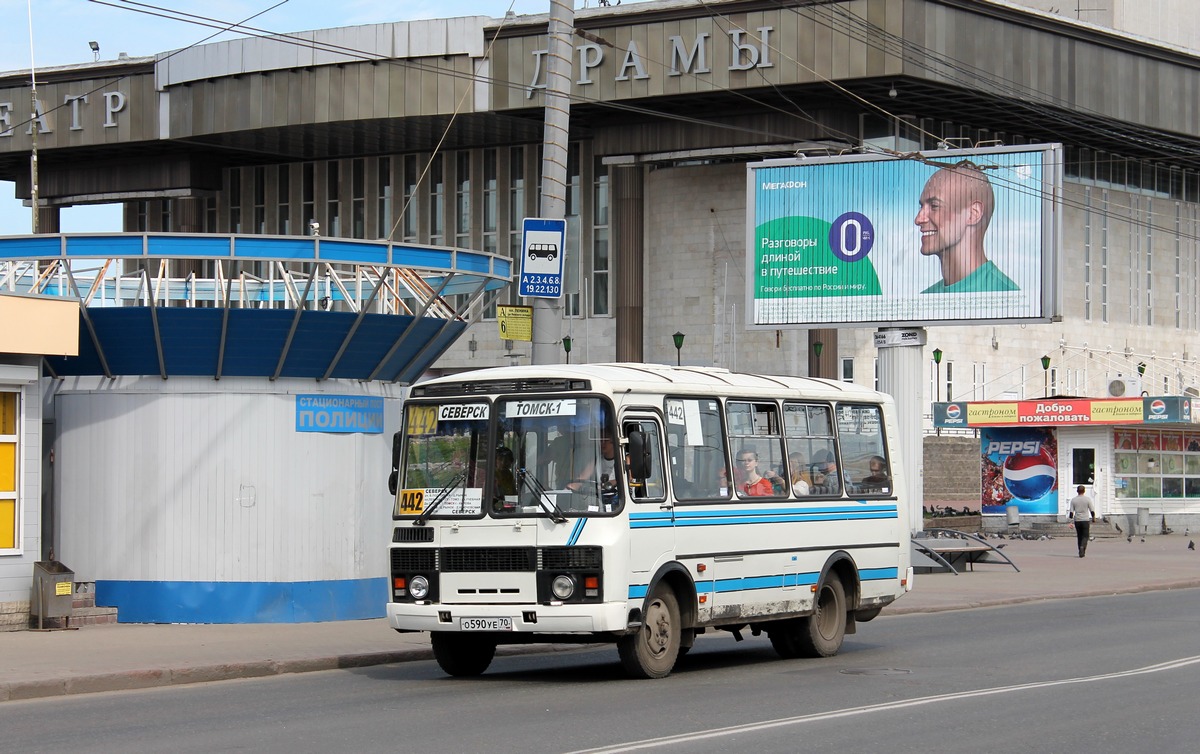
(875,574)
(576,531)
(777,581)
(730,518)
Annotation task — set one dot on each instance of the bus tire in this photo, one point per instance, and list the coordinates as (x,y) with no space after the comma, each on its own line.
(651,651)
(823,631)
(462,656)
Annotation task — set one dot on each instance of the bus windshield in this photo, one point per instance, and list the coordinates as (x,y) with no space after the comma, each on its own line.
(544,455)
(563,454)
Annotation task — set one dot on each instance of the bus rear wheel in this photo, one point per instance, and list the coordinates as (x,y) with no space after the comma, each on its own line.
(825,630)
(651,651)
(462,656)
(817,635)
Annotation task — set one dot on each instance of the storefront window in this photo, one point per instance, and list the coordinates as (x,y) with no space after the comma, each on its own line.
(1153,463)
(9,510)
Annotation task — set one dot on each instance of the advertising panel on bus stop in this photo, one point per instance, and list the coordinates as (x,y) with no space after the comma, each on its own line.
(1019,466)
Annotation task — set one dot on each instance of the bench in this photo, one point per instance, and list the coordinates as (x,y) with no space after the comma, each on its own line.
(950,548)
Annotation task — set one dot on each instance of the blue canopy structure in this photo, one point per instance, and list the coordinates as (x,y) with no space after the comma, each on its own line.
(271,306)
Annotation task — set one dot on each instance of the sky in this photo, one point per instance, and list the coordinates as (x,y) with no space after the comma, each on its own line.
(62,29)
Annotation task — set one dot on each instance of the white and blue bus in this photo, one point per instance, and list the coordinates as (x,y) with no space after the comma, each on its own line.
(643,504)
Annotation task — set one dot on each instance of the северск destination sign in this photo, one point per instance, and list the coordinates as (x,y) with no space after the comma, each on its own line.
(1065,412)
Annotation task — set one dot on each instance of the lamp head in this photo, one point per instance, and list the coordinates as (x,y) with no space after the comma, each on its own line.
(678,338)
(1141,368)
(937,356)
(95,46)
(818,346)
(1045,363)
(566,343)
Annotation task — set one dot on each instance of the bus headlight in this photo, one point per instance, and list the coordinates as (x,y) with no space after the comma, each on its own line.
(563,587)
(418,587)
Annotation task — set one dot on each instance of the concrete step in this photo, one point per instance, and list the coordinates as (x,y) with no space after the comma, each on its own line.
(1100,529)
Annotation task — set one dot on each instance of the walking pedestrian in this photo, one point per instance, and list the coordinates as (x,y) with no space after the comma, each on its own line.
(1083,513)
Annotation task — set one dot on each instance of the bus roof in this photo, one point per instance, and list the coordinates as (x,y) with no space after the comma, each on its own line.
(662,378)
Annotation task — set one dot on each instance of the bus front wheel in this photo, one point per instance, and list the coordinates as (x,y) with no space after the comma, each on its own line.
(461,655)
(651,651)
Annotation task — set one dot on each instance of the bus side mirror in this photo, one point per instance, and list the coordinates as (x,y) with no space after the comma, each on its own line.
(639,455)
(394,477)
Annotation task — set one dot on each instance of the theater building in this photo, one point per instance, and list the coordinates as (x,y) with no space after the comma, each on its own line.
(428,134)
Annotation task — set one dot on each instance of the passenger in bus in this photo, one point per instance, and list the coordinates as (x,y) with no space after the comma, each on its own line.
(801,481)
(879,477)
(505,480)
(749,481)
(825,474)
(607,477)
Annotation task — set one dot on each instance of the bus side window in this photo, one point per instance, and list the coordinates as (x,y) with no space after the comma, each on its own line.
(645,474)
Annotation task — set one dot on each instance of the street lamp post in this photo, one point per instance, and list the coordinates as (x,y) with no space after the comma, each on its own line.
(566,341)
(937,384)
(937,381)
(1045,376)
(678,338)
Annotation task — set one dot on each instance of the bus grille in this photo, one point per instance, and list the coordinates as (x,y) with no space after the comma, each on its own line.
(571,558)
(495,559)
(405,561)
(412,534)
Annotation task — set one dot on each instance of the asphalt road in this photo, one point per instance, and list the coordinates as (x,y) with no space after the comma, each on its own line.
(1107,674)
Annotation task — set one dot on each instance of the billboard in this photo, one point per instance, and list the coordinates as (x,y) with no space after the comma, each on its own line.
(951,237)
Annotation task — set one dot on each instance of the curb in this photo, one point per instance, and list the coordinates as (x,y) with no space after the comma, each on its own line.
(132,680)
(999,602)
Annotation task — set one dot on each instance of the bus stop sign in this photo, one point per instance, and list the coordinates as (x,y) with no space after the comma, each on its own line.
(542,243)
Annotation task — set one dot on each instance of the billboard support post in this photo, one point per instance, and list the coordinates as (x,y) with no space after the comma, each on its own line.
(901,361)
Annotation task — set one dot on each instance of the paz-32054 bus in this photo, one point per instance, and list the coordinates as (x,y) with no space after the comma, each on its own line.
(643,505)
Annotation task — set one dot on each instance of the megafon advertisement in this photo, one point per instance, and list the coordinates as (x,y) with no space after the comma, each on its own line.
(1019,467)
(952,237)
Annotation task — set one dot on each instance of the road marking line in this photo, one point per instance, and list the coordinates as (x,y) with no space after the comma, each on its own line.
(654,743)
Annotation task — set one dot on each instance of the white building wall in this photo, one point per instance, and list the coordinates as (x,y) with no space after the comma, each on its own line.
(200,480)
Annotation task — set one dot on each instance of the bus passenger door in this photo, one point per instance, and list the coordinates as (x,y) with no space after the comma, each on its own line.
(651,514)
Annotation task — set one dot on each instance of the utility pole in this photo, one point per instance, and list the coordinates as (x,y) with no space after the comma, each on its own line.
(33,126)
(547,312)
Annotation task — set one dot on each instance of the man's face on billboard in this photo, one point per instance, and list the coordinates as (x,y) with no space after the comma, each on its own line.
(945,213)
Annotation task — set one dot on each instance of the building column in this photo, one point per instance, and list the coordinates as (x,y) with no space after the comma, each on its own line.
(48,220)
(825,365)
(627,222)
(187,216)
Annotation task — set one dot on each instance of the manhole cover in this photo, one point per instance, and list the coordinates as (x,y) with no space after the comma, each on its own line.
(876,671)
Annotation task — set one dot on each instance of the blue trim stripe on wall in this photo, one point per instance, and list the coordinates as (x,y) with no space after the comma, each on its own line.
(243,601)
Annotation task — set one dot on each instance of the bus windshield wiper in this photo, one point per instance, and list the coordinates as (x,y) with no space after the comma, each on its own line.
(455,483)
(535,486)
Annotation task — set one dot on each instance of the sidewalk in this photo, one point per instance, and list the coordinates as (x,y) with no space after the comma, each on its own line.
(129,656)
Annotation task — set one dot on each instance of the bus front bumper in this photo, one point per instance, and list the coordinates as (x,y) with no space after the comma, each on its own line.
(549,619)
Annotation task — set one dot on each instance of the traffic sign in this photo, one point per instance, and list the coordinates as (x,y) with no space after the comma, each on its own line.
(543,244)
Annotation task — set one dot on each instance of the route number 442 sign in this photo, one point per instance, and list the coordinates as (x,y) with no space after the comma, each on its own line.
(542,248)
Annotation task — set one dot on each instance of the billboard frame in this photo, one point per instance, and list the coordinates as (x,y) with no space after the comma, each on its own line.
(1043,307)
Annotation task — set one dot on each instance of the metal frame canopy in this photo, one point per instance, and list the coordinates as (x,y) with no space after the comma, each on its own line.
(258,306)
(853,240)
